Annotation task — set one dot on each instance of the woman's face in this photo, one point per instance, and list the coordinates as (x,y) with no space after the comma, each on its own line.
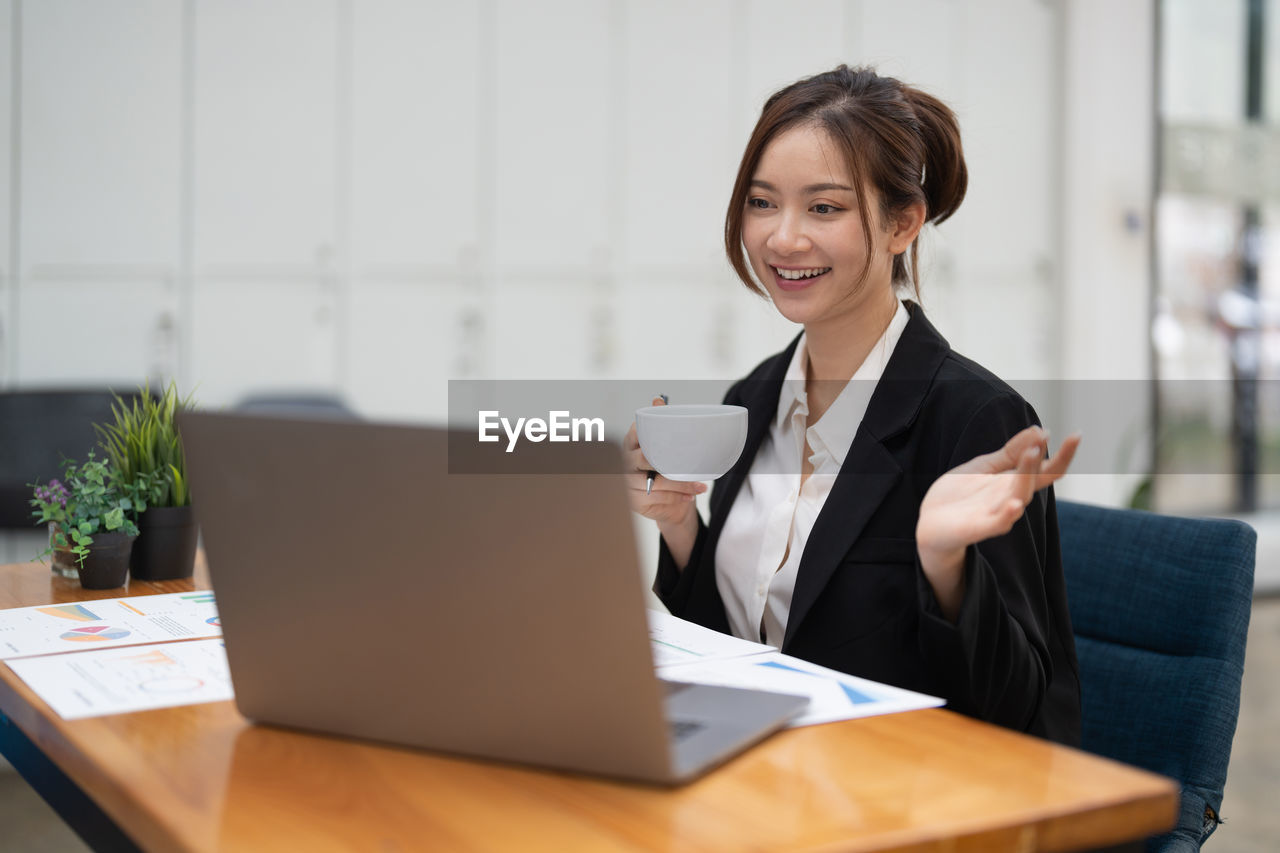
(803,233)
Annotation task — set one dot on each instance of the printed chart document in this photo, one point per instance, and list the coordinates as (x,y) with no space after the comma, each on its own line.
(832,695)
(137,678)
(684,651)
(107,622)
(676,640)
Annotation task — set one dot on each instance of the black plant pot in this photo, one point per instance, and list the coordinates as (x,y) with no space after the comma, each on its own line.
(166,546)
(107,565)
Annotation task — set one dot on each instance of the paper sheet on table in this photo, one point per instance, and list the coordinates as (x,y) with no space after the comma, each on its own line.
(678,641)
(832,695)
(138,678)
(107,622)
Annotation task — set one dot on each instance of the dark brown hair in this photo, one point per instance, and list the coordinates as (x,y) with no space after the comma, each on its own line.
(898,141)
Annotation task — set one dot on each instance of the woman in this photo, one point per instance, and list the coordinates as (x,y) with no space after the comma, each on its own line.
(898,526)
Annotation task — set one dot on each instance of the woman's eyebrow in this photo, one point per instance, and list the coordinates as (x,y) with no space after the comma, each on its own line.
(811,188)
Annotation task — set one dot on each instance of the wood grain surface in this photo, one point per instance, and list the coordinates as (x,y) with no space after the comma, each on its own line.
(201,778)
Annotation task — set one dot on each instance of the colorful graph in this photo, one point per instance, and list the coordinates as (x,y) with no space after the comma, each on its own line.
(216,621)
(199,598)
(78,612)
(154,657)
(855,697)
(95,634)
(177,684)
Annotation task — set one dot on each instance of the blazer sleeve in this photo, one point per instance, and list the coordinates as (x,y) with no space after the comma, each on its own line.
(995,663)
(672,585)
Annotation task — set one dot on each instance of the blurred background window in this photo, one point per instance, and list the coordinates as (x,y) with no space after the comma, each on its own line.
(1216,313)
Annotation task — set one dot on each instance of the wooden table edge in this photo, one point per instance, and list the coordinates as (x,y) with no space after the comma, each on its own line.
(52,735)
(151,828)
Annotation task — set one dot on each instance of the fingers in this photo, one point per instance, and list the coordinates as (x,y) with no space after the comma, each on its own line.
(1028,469)
(661,485)
(1033,473)
(669,501)
(635,461)
(986,496)
(664,498)
(651,494)
(1013,455)
(1033,439)
(1009,511)
(631,441)
(1007,457)
(1055,467)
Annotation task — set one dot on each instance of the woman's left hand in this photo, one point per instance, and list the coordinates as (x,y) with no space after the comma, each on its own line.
(979,500)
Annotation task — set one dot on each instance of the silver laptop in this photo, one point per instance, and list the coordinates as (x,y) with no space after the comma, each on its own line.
(365,590)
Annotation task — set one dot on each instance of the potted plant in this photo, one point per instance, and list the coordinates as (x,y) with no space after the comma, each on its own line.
(92,511)
(144,444)
(51,500)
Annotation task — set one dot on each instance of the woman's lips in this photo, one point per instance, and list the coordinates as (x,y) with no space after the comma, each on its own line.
(793,284)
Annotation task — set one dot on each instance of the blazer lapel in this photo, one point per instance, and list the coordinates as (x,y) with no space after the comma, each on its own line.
(869,471)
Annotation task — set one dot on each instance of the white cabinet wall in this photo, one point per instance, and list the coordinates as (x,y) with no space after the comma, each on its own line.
(99,138)
(679,158)
(1000,253)
(553,160)
(374,196)
(266,178)
(417,188)
(265,138)
(421,190)
(101,135)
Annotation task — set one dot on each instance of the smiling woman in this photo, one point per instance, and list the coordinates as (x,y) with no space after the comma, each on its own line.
(892,514)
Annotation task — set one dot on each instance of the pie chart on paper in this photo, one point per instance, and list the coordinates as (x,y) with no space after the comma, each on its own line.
(95,634)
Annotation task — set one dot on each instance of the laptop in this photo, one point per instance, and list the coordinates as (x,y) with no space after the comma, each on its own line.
(366,591)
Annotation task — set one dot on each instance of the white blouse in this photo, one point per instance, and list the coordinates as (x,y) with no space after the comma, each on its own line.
(764,536)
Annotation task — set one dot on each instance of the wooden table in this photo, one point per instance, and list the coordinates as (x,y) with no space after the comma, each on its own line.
(201,778)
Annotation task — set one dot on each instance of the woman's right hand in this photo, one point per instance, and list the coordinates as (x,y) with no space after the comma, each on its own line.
(669,503)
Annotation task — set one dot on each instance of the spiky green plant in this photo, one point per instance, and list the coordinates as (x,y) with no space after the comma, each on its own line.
(143,443)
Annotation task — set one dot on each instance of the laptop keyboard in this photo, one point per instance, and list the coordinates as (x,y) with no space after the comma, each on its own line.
(681,729)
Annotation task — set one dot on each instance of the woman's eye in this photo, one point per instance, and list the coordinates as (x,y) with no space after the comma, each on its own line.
(825,208)
(757,203)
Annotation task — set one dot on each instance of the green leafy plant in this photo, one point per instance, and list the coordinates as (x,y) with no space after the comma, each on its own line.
(143,442)
(92,497)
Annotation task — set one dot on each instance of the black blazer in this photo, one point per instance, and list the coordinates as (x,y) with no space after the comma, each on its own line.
(862,604)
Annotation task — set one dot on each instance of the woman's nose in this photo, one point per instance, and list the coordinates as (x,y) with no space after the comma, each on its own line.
(788,237)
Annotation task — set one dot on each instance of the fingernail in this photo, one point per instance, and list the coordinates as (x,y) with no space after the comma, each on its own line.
(701,487)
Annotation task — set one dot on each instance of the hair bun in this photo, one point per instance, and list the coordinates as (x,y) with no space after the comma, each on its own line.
(944,176)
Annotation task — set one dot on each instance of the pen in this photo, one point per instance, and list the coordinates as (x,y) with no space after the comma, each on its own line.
(648,482)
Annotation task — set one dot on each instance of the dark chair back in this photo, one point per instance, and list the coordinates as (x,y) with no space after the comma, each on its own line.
(1160,610)
(38,428)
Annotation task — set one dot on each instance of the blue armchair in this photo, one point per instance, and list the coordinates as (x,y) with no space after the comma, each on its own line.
(1160,609)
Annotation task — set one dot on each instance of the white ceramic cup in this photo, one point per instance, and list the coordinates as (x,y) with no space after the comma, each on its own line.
(691,442)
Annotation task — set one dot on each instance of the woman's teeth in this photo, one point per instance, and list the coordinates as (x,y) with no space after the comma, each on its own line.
(794,275)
